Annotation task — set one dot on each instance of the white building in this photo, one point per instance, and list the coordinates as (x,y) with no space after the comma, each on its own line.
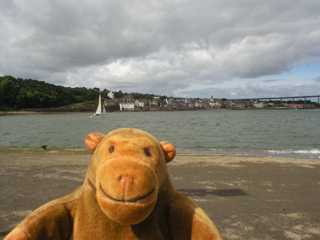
(127,106)
(260,105)
(214,104)
(111,95)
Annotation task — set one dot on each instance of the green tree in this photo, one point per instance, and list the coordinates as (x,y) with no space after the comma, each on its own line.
(9,89)
(118,94)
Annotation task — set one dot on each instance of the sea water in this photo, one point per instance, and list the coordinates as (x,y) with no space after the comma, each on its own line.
(280,133)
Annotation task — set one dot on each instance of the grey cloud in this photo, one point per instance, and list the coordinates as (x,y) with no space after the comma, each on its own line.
(273,80)
(208,42)
(253,90)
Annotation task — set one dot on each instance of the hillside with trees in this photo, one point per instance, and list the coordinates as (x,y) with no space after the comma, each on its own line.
(16,94)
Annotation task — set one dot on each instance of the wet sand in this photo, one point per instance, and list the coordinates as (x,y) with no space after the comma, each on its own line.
(247,198)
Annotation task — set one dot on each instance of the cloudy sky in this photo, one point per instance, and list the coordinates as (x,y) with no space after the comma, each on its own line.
(219,48)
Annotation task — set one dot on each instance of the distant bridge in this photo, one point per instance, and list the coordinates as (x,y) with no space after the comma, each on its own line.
(279,98)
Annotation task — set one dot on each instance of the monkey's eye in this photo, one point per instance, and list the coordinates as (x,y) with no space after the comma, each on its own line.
(147,152)
(111,149)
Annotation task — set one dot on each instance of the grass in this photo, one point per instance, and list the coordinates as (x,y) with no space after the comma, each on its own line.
(82,105)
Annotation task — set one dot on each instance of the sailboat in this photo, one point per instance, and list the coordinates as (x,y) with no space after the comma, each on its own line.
(101,111)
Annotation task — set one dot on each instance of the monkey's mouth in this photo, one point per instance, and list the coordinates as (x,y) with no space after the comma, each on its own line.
(133,200)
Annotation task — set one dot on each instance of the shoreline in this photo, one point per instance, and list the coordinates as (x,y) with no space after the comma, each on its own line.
(284,156)
(31,150)
(28,113)
(246,197)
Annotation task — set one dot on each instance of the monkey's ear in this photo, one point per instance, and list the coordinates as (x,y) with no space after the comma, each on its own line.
(92,140)
(169,150)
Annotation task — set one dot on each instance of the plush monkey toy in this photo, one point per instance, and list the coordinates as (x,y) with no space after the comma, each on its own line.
(127,194)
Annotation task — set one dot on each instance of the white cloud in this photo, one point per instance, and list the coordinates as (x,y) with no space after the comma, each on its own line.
(162,47)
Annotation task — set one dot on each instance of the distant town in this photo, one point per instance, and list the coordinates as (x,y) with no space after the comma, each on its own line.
(158,103)
(30,95)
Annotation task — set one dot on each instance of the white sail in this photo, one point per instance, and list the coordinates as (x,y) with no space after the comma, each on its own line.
(100,109)
(103,110)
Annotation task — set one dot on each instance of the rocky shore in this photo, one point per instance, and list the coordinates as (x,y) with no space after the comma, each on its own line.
(247,198)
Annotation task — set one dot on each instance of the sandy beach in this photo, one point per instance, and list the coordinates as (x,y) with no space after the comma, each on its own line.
(247,198)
